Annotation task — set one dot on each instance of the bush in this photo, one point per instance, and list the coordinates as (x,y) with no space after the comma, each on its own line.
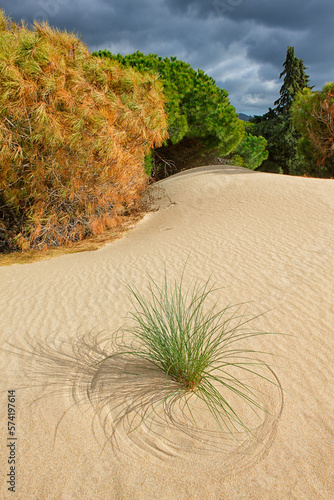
(74,132)
(251,152)
(313,115)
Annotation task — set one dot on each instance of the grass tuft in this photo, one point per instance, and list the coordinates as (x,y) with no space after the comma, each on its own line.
(196,345)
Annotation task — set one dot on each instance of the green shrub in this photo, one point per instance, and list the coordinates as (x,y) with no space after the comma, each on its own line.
(252,151)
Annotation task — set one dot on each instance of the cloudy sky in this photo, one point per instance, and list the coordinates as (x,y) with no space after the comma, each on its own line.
(240,43)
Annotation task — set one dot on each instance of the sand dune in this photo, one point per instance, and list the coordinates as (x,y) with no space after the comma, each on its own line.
(268,241)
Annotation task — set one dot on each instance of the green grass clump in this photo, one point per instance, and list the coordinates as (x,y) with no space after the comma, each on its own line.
(195,345)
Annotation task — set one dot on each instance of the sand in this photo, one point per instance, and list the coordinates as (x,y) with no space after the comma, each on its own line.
(268,241)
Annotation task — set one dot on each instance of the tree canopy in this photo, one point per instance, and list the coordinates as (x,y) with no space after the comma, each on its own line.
(195,105)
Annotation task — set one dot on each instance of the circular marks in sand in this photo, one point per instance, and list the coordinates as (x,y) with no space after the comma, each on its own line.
(144,413)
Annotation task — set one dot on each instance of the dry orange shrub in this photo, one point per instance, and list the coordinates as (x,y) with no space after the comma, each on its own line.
(74,131)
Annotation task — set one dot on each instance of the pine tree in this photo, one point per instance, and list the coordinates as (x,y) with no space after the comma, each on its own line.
(276,125)
(199,112)
(295,80)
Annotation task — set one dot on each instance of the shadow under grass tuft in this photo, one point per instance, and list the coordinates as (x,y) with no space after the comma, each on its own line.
(140,409)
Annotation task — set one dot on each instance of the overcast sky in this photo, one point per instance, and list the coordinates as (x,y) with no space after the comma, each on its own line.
(240,43)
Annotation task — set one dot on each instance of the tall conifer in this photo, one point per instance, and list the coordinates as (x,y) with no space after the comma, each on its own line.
(295,79)
(276,125)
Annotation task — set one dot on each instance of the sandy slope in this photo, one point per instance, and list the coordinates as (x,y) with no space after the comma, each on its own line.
(269,241)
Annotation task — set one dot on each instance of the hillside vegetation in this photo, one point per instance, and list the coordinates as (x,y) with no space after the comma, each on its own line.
(74,132)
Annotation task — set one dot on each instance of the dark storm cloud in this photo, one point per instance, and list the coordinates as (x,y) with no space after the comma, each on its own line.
(271,13)
(240,43)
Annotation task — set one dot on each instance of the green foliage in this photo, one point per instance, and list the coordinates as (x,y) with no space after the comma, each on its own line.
(313,117)
(74,131)
(295,79)
(282,144)
(195,106)
(251,151)
(196,346)
(148,164)
(276,125)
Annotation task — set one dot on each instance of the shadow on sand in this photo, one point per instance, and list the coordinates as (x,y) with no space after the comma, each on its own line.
(141,410)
